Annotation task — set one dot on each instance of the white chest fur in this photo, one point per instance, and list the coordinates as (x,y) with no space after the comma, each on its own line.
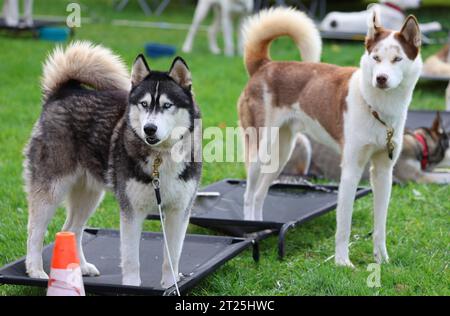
(175,192)
(362,129)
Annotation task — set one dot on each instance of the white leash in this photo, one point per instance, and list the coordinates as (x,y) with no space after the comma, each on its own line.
(155,175)
(167,249)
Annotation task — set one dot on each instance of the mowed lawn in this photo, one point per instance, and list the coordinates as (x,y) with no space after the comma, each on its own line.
(419,216)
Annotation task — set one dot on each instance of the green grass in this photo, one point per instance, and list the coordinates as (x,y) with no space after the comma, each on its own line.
(418,222)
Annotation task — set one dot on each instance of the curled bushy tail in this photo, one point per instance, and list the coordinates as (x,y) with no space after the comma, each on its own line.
(90,64)
(261,29)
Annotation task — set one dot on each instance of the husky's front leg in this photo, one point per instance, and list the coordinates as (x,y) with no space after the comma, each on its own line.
(381,180)
(130,236)
(176,223)
(353,163)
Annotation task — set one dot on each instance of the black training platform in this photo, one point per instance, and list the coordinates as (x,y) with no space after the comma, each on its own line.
(201,256)
(424,118)
(286,206)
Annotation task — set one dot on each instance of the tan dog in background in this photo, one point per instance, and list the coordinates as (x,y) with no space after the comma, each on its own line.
(439,65)
(424,150)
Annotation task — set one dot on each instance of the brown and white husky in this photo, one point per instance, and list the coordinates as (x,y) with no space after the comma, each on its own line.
(359,112)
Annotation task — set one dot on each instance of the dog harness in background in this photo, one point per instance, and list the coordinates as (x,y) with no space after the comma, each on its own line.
(393,6)
(425,152)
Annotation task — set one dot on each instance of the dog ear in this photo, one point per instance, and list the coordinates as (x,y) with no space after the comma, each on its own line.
(437,124)
(179,71)
(373,23)
(139,71)
(411,31)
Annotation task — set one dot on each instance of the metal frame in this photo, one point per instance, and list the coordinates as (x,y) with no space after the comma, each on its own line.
(259,230)
(237,246)
(428,117)
(430,77)
(33,30)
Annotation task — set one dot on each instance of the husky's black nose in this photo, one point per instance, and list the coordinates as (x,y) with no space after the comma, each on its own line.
(381,80)
(150,129)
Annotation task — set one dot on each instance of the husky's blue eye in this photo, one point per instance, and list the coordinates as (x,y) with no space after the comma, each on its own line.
(397,59)
(144,104)
(167,105)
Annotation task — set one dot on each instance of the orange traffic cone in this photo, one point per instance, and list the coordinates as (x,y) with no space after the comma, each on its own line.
(65,273)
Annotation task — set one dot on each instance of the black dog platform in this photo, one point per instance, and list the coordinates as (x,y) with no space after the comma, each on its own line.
(343,36)
(360,37)
(286,206)
(434,77)
(424,118)
(33,30)
(200,257)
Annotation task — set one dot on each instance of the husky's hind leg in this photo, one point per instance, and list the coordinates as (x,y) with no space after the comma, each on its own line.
(42,204)
(253,173)
(280,151)
(82,202)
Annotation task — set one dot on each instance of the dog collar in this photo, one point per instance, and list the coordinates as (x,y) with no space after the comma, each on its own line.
(155,166)
(421,139)
(389,133)
(393,6)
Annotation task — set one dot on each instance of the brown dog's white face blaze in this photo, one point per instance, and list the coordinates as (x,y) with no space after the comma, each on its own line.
(391,55)
(161,105)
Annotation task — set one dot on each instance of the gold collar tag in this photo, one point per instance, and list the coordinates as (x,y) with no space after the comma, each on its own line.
(156,164)
(390,146)
(389,143)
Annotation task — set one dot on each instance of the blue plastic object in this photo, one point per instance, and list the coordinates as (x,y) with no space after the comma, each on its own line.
(54,34)
(155,50)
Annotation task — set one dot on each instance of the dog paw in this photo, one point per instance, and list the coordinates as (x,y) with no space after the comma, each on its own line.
(37,274)
(89,269)
(380,254)
(131,280)
(248,214)
(258,216)
(229,53)
(215,50)
(186,49)
(343,262)
(167,280)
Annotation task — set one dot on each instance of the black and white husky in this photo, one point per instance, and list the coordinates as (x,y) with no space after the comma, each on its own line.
(96,133)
